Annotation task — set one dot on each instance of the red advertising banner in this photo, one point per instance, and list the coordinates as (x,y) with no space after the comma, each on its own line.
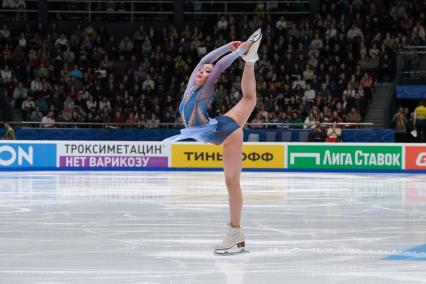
(415,157)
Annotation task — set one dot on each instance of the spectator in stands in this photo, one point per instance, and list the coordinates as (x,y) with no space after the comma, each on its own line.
(309,121)
(309,94)
(349,91)
(317,134)
(258,121)
(400,122)
(148,83)
(296,120)
(419,31)
(6,75)
(353,116)
(334,133)
(8,4)
(36,115)
(5,34)
(222,24)
(9,132)
(367,85)
(20,93)
(335,118)
(420,121)
(27,108)
(48,121)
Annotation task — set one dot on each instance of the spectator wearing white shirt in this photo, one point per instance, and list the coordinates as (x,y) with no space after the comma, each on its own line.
(309,94)
(6,75)
(62,41)
(317,42)
(354,32)
(309,121)
(419,30)
(222,24)
(48,121)
(308,73)
(22,41)
(331,32)
(281,24)
(27,107)
(91,104)
(148,83)
(105,104)
(300,82)
(5,33)
(36,85)
(349,91)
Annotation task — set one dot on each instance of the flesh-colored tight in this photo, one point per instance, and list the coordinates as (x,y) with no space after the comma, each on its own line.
(233,144)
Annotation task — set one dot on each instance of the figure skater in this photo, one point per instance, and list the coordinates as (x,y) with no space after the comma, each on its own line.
(225,129)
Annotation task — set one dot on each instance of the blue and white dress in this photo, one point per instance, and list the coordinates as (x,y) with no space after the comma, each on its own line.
(197,100)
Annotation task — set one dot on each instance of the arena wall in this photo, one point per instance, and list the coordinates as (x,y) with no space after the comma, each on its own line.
(158,134)
(156,156)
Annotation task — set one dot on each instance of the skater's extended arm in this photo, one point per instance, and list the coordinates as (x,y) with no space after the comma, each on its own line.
(219,67)
(209,58)
(212,57)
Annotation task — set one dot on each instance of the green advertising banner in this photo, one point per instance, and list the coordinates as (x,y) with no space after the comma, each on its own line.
(362,157)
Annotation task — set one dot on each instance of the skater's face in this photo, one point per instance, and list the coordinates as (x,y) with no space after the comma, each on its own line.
(203,73)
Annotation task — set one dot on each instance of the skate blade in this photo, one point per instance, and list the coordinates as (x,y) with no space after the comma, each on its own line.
(228,253)
(255,36)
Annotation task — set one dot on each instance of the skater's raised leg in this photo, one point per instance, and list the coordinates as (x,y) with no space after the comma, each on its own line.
(243,109)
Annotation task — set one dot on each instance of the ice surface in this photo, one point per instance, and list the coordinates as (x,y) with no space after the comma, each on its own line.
(161,227)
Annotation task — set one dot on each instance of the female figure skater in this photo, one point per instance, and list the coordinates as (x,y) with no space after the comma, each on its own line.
(225,129)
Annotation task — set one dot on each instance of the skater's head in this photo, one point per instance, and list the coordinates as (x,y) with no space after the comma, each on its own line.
(203,73)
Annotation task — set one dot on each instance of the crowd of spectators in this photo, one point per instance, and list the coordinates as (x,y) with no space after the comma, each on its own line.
(410,126)
(311,69)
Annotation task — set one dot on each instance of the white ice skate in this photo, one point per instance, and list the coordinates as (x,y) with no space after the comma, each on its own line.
(251,55)
(234,243)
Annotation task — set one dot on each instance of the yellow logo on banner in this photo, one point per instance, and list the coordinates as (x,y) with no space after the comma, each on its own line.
(210,156)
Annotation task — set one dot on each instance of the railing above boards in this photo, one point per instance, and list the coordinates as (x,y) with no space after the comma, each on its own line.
(244,7)
(32,124)
(134,10)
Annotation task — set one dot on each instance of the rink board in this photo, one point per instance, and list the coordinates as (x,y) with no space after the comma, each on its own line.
(154,156)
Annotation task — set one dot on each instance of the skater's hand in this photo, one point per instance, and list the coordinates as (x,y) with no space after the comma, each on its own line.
(245,45)
(234,45)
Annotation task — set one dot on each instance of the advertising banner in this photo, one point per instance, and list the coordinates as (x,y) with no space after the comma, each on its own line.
(27,155)
(128,155)
(362,157)
(112,155)
(415,157)
(258,156)
(410,91)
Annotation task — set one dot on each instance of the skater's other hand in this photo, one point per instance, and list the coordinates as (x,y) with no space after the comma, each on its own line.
(234,45)
(245,45)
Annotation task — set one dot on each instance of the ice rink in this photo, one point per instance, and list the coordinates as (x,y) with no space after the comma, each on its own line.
(160,227)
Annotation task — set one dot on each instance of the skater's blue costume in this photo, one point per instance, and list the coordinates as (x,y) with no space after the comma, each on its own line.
(197,99)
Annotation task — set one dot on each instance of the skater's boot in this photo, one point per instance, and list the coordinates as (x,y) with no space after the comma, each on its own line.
(254,40)
(233,243)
